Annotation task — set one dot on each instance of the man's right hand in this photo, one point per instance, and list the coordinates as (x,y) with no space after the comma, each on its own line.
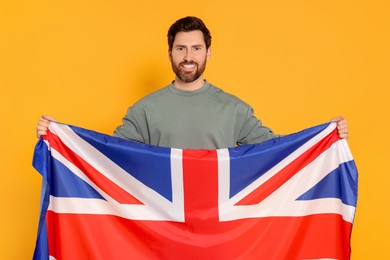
(43,124)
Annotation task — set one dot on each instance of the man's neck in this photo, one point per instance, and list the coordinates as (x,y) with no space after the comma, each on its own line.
(189,86)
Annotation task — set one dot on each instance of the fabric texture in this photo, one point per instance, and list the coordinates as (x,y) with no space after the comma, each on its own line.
(207,118)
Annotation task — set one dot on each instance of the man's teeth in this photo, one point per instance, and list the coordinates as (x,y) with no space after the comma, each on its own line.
(189,66)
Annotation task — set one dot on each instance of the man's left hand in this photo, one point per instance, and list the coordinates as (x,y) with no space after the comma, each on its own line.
(342,126)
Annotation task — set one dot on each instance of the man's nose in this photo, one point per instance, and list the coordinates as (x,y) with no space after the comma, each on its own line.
(188,56)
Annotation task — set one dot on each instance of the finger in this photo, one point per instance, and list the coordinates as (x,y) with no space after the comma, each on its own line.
(342,126)
(41,132)
(343,133)
(45,120)
(343,136)
(337,119)
(48,118)
(42,127)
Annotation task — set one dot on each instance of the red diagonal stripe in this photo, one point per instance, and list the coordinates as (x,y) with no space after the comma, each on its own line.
(267,188)
(108,186)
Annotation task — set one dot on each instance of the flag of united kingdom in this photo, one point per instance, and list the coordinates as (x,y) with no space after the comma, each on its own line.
(291,197)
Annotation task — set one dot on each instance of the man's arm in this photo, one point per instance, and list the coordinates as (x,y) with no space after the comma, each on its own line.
(132,129)
(253,131)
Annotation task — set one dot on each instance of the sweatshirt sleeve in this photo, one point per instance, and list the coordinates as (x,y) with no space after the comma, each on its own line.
(130,129)
(253,131)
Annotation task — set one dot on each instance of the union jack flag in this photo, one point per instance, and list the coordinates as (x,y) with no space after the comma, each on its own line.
(103,197)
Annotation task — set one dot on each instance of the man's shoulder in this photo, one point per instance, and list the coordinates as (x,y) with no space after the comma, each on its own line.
(226,96)
(153,96)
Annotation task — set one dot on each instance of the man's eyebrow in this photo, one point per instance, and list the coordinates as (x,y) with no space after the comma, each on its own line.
(185,46)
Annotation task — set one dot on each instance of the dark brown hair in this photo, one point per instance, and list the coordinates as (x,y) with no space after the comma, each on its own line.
(188,24)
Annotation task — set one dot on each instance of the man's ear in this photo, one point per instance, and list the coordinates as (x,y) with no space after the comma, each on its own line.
(208,54)
(170,55)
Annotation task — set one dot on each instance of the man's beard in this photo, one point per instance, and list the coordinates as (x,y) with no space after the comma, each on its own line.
(185,76)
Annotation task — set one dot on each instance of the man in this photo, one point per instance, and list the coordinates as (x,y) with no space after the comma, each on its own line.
(190,113)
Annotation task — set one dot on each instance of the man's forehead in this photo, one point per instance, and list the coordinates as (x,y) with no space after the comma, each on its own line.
(189,38)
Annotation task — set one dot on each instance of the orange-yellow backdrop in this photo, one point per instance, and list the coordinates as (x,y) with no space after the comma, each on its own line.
(298,63)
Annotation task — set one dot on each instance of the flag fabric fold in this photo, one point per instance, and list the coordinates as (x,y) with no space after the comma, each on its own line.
(292,197)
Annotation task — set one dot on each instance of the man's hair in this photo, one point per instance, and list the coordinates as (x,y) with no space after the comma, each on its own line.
(188,24)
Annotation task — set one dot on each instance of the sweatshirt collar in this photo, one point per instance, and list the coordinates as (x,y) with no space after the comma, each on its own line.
(177,91)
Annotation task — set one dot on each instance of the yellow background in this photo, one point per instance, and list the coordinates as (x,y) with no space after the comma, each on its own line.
(298,63)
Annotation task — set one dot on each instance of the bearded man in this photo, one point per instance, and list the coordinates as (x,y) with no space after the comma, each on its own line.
(191,113)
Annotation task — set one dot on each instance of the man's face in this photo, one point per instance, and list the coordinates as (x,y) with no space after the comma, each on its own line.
(189,55)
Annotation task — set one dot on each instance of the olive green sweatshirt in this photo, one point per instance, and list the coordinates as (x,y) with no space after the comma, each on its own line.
(207,118)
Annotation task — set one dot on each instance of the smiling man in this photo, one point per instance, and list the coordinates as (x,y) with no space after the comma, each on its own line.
(188,57)
(191,113)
